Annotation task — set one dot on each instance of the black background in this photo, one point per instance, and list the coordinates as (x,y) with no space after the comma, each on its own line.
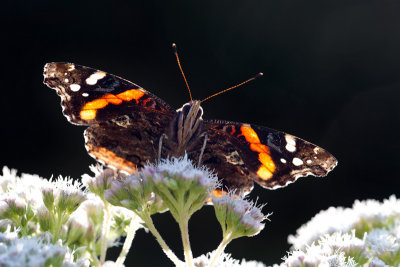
(331,76)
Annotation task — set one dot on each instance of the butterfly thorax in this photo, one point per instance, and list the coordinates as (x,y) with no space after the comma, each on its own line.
(185,129)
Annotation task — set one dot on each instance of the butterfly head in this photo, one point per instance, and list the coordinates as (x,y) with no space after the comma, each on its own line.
(192,110)
(186,127)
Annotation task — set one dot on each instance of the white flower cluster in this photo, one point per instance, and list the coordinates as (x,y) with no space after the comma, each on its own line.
(330,251)
(184,169)
(225,260)
(363,213)
(58,209)
(34,252)
(366,235)
(27,188)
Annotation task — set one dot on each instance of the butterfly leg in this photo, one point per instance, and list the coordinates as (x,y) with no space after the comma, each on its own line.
(160,147)
(202,149)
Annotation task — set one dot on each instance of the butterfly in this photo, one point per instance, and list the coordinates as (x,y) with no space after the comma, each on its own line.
(129,127)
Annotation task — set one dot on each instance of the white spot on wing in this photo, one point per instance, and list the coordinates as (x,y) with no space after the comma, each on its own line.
(71,67)
(66,80)
(316,149)
(283,160)
(309,161)
(98,75)
(85,94)
(290,143)
(75,87)
(297,162)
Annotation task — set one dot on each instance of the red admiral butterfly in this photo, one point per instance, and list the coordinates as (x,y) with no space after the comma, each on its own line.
(129,126)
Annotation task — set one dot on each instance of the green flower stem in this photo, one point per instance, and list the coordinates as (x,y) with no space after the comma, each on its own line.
(105,231)
(58,219)
(128,241)
(95,260)
(225,241)
(145,216)
(184,227)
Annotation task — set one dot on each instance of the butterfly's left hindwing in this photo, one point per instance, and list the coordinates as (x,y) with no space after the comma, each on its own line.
(127,142)
(273,158)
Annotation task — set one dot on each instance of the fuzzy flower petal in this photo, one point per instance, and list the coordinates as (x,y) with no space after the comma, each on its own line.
(225,260)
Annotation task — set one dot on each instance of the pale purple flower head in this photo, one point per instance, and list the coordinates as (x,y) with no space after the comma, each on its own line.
(238,215)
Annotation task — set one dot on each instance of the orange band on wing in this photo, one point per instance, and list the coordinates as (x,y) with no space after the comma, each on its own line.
(267,161)
(96,104)
(89,110)
(259,148)
(250,135)
(264,173)
(110,158)
(130,95)
(267,168)
(112,99)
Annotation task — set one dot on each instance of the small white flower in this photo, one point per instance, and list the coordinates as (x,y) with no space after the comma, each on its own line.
(381,241)
(9,177)
(296,258)
(347,243)
(96,169)
(375,262)
(69,194)
(3,207)
(225,260)
(238,216)
(372,210)
(184,168)
(94,209)
(68,185)
(321,256)
(101,182)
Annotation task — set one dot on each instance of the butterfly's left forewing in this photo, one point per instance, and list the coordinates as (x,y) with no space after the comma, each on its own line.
(90,96)
(273,158)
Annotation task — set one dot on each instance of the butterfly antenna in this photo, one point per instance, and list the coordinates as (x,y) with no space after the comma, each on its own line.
(233,87)
(180,67)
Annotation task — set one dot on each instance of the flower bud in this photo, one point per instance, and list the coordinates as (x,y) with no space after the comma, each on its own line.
(69,196)
(44,218)
(48,197)
(94,210)
(100,183)
(237,216)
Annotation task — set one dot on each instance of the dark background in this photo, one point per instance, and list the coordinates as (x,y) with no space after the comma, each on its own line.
(331,76)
